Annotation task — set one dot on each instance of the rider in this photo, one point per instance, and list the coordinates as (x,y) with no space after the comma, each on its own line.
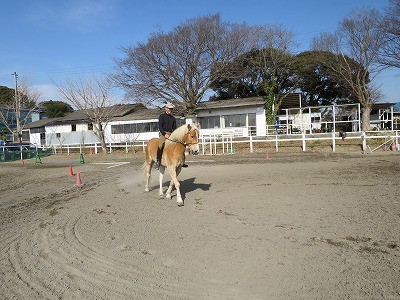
(166,124)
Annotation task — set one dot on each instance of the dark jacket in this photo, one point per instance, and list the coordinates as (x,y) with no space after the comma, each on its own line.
(166,123)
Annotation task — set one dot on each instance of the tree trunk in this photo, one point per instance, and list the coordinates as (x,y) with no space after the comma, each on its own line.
(99,131)
(366,117)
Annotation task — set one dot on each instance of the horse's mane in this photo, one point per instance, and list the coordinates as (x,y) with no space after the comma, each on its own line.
(179,133)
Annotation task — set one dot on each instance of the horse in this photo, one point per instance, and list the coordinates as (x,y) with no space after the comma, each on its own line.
(173,157)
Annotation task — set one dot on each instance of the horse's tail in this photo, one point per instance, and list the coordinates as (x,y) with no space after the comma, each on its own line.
(146,153)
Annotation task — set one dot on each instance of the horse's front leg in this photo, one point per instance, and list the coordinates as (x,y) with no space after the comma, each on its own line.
(160,179)
(174,181)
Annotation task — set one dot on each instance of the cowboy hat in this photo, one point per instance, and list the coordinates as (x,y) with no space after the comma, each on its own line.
(170,105)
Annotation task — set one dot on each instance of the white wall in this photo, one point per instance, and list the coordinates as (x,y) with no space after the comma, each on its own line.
(58,128)
(34,138)
(82,127)
(122,138)
(261,122)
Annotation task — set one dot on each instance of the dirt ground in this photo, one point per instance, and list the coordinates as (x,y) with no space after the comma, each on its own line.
(293,226)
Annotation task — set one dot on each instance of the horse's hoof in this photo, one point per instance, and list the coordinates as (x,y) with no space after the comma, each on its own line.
(146,190)
(180,203)
(168,196)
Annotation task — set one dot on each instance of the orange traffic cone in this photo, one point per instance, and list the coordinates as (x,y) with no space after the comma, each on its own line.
(267,156)
(70,173)
(22,162)
(91,151)
(78,180)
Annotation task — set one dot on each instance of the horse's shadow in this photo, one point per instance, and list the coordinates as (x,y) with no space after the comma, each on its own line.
(187,186)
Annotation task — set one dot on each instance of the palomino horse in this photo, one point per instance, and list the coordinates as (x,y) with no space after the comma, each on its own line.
(173,157)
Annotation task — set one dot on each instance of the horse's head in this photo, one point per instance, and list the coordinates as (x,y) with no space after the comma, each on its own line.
(192,139)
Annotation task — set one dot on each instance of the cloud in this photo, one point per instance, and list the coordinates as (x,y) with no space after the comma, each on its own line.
(78,15)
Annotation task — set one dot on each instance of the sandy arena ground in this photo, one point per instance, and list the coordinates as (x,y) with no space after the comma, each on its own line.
(296,226)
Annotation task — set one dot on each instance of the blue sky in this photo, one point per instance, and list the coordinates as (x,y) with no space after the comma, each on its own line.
(47,40)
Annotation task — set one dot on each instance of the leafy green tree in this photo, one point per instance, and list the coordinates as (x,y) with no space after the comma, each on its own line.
(55,109)
(264,72)
(242,79)
(6,95)
(317,83)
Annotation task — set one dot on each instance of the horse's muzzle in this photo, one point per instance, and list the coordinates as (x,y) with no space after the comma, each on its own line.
(195,152)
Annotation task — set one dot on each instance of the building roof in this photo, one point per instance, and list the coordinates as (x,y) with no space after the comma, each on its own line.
(382,105)
(41,123)
(80,116)
(293,100)
(118,110)
(230,103)
(141,113)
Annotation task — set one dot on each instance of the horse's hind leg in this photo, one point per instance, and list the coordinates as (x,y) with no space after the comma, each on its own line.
(147,175)
(169,191)
(147,169)
(160,179)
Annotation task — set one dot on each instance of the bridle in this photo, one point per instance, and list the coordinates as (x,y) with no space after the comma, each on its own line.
(184,143)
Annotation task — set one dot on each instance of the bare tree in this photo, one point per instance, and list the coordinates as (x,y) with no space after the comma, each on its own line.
(19,111)
(176,66)
(358,39)
(390,52)
(92,98)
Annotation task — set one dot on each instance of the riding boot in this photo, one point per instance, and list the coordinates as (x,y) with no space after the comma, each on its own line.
(159,153)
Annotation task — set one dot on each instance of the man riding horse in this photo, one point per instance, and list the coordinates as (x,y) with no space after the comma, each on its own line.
(166,125)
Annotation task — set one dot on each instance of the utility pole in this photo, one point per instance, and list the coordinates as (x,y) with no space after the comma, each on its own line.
(17,108)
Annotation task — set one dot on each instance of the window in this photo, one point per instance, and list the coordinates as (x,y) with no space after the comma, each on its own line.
(134,128)
(252,119)
(73,127)
(235,120)
(147,127)
(90,126)
(58,135)
(315,119)
(35,130)
(210,122)
(179,122)
(117,129)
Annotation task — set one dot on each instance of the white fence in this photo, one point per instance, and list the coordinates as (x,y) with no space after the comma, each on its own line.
(217,144)
(213,144)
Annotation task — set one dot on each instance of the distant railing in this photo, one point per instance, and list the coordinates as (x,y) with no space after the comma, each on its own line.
(218,144)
